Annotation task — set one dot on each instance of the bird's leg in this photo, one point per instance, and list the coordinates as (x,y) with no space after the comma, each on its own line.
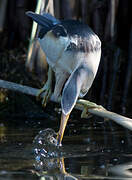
(64,119)
(47,88)
(60,80)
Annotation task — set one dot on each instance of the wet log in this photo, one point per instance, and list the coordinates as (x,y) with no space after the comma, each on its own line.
(84,105)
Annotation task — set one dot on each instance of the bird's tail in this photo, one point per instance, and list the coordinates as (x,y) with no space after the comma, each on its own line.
(46,20)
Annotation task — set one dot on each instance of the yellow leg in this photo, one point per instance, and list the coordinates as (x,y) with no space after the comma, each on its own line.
(47,89)
(64,119)
(62,165)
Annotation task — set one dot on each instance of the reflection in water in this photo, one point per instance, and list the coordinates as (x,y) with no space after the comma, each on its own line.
(122,170)
(55,170)
(48,157)
(93,154)
(96,163)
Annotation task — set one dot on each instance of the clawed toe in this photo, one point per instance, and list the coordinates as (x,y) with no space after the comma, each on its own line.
(46,91)
(39,93)
(46,97)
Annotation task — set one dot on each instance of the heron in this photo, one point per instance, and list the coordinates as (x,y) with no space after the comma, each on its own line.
(73,53)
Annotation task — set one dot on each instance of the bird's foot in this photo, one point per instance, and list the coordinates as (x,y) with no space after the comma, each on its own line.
(58,140)
(87,105)
(46,91)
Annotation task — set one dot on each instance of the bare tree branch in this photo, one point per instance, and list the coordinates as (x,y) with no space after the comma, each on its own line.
(83,105)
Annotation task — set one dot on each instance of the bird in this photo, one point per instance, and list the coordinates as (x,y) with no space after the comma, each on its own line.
(73,52)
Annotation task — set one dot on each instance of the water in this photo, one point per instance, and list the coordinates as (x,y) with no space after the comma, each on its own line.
(27,151)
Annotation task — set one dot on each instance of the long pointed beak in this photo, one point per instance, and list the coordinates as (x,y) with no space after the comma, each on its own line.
(64,119)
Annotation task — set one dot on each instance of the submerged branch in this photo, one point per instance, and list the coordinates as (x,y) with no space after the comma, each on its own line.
(83,105)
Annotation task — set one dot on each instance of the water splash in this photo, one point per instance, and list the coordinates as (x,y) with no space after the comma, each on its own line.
(45,147)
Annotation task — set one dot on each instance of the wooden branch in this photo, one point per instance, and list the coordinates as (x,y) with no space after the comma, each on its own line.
(83,105)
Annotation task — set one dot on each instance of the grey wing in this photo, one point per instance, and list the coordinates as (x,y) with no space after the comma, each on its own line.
(79,81)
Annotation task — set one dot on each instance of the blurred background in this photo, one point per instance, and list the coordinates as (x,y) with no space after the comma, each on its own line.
(110,20)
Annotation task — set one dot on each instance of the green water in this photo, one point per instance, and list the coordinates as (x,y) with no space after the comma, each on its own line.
(88,152)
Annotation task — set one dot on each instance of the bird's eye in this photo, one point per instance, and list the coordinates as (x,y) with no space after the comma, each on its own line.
(72,46)
(59,30)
